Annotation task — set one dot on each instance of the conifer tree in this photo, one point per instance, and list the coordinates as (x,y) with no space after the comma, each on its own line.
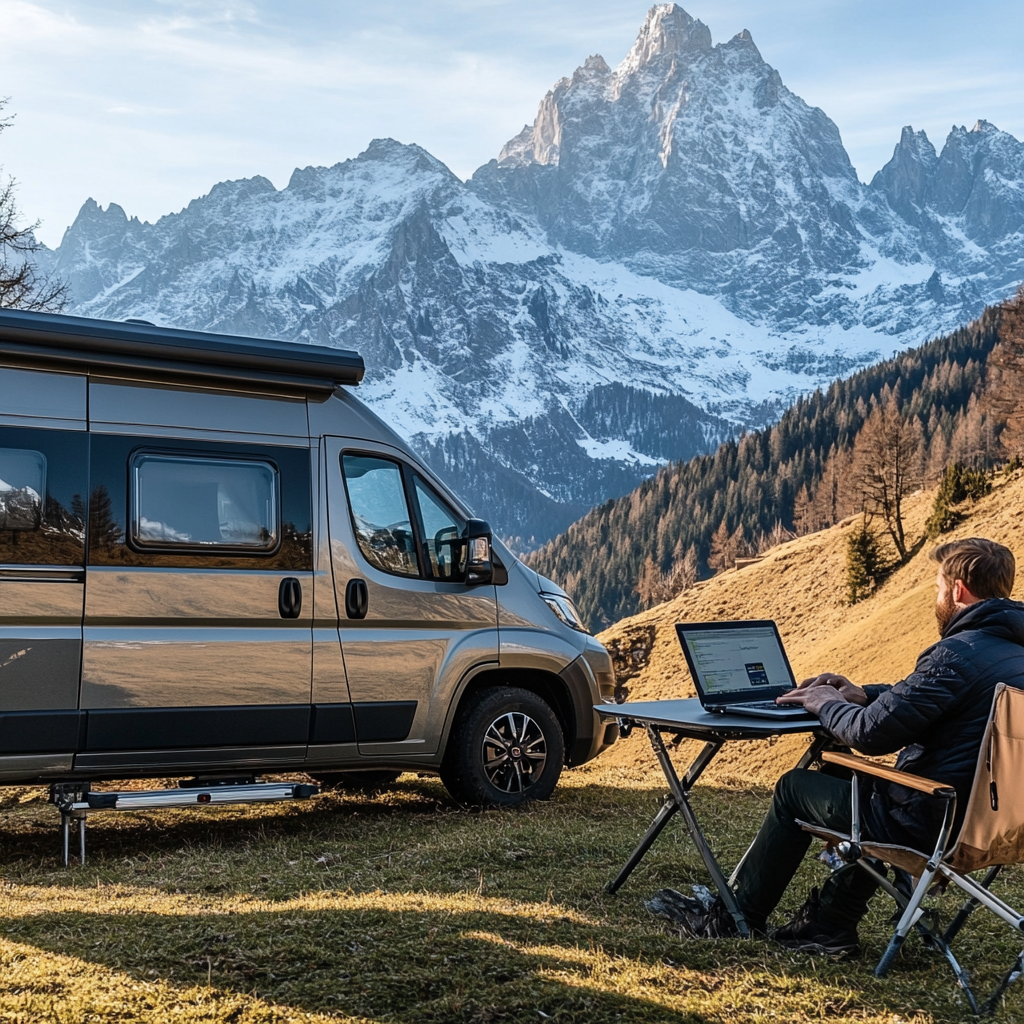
(865,565)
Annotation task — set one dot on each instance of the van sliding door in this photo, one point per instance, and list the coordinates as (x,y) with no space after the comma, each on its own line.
(198,622)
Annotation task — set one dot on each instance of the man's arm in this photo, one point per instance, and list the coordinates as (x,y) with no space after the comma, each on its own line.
(898,716)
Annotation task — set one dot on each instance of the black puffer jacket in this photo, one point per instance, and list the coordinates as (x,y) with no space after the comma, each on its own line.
(937,715)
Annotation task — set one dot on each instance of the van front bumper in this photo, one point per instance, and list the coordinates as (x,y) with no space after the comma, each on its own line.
(590,680)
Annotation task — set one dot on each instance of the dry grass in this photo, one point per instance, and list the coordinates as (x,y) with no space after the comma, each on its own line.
(402,907)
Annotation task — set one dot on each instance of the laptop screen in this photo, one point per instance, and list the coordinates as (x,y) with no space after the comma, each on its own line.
(732,662)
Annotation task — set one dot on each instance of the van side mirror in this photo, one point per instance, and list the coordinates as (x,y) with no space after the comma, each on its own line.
(479,559)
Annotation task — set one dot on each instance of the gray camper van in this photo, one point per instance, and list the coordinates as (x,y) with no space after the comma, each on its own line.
(214,559)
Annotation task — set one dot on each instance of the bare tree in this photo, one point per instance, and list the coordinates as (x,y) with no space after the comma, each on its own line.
(1005,370)
(21,284)
(885,466)
(656,587)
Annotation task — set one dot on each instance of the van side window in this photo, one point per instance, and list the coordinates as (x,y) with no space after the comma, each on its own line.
(182,502)
(43,478)
(22,488)
(443,535)
(380,513)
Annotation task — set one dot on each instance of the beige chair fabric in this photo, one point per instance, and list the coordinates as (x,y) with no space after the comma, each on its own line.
(993,829)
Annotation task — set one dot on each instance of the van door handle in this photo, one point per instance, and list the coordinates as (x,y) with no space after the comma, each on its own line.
(357,599)
(289,598)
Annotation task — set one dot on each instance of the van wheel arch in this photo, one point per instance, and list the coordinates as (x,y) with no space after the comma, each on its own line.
(546,685)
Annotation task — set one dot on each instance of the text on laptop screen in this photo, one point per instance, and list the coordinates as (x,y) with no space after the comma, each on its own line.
(738,660)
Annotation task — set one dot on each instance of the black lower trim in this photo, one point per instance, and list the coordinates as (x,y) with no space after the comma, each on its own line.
(384,721)
(31,732)
(170,728)
(332,723)
(191,760)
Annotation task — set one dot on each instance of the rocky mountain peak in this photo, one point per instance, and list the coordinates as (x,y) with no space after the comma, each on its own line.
(981,125)
(667,30)
(907,177)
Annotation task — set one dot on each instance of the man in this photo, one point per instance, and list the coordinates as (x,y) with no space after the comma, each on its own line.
(937,715)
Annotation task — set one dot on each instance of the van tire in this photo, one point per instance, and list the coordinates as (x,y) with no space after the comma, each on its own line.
(367,781)
(484,765)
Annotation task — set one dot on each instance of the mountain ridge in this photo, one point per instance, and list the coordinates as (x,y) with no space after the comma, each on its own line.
(682,226)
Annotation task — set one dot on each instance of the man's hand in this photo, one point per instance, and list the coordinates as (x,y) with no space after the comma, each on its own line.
(851,692)
(812,698)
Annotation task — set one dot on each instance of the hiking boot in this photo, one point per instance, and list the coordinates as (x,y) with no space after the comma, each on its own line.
(695,919)
(809,931)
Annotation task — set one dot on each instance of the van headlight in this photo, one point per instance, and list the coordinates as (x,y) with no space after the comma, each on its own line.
(565,610)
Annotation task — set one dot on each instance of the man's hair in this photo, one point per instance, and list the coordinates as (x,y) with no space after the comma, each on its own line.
(986,568)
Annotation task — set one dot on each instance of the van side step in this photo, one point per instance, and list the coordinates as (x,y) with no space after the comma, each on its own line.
(76,802)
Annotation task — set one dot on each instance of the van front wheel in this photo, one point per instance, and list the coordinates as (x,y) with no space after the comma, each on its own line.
(506,749)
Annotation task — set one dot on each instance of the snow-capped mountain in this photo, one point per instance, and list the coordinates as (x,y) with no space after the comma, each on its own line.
(674,248)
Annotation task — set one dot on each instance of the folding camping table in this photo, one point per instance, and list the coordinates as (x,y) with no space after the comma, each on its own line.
(686,719)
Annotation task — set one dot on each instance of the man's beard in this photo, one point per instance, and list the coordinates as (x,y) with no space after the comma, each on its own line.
(944,612)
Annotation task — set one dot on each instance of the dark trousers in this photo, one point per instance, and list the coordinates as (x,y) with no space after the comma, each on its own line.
(780,845)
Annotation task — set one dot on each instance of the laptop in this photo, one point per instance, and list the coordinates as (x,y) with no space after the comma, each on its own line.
(739,668)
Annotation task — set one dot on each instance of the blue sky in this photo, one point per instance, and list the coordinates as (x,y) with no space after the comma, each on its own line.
(148,103)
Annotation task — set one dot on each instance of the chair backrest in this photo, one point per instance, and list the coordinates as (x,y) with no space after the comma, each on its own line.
(993,829)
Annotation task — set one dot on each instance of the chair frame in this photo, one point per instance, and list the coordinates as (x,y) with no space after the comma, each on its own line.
(853,849)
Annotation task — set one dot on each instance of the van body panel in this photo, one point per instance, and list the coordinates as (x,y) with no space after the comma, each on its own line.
(330,681)
(194,666)
(35,766)
(533,648)
(325,605)
(168,411)
(39,666)
(31,596)
(196,727)
(36,398)
(193,637)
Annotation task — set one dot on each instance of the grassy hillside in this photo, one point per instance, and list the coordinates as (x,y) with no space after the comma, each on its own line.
(801,585)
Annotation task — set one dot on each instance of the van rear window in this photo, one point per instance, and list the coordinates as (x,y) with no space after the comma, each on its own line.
(181,502)
(22,488)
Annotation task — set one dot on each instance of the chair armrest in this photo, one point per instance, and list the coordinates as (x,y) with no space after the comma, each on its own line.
(864,764)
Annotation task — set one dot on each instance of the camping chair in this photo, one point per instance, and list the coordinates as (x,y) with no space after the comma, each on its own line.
(992,836)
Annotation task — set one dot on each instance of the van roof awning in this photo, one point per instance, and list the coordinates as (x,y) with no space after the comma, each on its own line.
(137,349)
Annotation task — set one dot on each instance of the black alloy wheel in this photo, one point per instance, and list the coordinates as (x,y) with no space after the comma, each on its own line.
(506,749)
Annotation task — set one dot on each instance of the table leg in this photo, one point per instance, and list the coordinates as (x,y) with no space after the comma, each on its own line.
(669,807)
(661,819)
(681,795)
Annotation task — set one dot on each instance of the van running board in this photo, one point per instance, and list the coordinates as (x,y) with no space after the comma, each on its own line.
(76,802)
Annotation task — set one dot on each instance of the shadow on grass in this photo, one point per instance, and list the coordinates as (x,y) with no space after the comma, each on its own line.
(410,965)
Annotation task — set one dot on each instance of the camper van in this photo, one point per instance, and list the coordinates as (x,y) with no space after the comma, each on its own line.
(215,561)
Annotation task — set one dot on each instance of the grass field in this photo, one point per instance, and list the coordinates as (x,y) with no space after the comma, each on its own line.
(402,907)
